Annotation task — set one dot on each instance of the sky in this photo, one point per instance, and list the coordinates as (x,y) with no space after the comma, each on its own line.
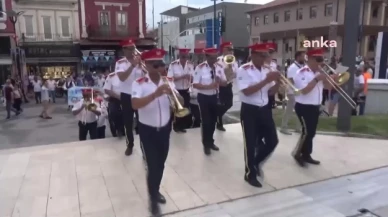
(163,5)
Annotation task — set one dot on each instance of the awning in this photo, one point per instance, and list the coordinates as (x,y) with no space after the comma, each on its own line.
(53,60)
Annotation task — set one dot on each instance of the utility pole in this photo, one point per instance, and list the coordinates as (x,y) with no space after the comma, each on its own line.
(153,14)
(350,40)
(214,22)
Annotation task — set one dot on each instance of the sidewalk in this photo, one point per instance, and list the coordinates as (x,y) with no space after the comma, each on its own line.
(95,179)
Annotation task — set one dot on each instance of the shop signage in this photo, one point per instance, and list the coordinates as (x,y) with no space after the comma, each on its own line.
(52,51)
(98,55)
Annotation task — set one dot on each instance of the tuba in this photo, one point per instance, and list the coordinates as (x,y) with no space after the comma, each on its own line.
(229,60)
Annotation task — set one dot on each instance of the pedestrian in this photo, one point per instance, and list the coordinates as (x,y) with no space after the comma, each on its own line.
(52,87)
(87,116)
(37,83)
(45,95)
(17,94)
(9,98)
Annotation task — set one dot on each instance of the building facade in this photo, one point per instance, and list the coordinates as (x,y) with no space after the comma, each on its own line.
(289,22)
(196,27)
(103,24)
(7,41)
(48,32)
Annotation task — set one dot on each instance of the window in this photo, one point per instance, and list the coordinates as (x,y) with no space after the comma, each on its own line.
(299,14)
(313,12)
(2,8)
(104,18)
(257,21)
(121,19)
(266,19)
(276,17)
(372,43)
(375,12)
(28,24)
(65,26)
(47,27)
(328,10)
(287,16)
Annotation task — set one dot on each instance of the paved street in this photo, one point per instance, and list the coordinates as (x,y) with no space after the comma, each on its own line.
(95,179)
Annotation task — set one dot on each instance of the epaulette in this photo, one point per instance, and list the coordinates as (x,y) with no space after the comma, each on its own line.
(121,60)
(304,69)
(202,65)
(112,74)
(142,80)
(246,66)
(170,78)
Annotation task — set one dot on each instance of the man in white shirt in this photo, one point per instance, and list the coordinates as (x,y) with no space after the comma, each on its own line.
(37,83)
(226,93)
(150,96)
(256,82)
(182,70)
(112,89)
(100,80)
(87,119)
(291,71)
(311,82)
(208,76)
(51,86)
(128,70)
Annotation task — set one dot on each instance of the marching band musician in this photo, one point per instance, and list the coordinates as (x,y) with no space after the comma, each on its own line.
(291,71)
(311,82)
(87,119)
(226,93)
(208,76)
(101,122)
(150,96)
(128,71)
(274,67)
(199,56)
(115,115)
(256,82)
(182,70)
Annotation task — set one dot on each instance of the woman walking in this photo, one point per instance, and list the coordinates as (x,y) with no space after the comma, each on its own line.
(17,97)
(45,101)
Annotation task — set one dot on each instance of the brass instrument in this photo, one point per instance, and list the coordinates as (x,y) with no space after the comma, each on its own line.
(177,108)
(229,60)
(91,105)
(343,77)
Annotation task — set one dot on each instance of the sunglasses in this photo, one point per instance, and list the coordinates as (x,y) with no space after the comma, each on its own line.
(319,59)
(158,64)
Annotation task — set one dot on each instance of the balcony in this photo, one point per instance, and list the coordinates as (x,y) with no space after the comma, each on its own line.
(45,38)
(110,33)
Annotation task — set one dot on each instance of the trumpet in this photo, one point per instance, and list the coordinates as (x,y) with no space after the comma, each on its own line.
(343,77)
(91,105)
(177,108)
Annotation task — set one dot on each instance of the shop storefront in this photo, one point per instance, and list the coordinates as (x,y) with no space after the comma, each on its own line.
(57,61)
(98,60)
(5,59)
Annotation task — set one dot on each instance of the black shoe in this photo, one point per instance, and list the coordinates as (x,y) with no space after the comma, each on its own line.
(300,161)
(310,160)
(160,198)
(207,151)
(183,131)
(179,131)
(214,148)
(8,118)
(154,208)
(129,151)
(253,182)
(220,127)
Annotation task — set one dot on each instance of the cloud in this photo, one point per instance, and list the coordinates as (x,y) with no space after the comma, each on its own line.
(163,5)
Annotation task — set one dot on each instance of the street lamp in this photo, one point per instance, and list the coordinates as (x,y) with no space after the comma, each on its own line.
(13,18)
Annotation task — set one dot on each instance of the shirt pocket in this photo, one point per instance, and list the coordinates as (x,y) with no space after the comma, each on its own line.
(206,79)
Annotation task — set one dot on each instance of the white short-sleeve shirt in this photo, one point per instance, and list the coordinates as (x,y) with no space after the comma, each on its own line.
(112,83)
(291,72)
(203,75)
(102,119)
(248,75)
(158,112)
(37,85)
(85,116)
(121,66)
(301,79)
(177,70)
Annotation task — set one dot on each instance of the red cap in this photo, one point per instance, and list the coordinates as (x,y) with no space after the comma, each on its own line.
(99,99)
(259,47)
(128,43)
(315,52)
(198,50)
(226,44)
(210,50)
(271,46)
(87,90)
(154,54)
(184,50)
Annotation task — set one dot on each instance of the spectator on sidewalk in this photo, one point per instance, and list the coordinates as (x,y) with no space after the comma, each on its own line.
(17,94)
(52,86)
(37,83)
(45,100)
(9,98)
(101,123)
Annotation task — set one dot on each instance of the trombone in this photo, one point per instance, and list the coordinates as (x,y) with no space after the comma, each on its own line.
(343,77)
(177,108)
